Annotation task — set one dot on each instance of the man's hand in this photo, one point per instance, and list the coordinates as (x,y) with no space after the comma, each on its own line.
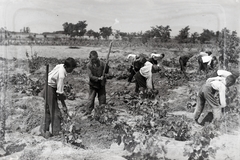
(61,97)
(65,109)
(100,78)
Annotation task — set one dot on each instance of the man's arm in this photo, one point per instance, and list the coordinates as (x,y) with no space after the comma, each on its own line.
(60,81)
(210,60)
(222,95)
(91,76)
(214,79)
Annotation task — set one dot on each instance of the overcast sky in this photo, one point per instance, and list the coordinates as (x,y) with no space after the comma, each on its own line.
(124,15)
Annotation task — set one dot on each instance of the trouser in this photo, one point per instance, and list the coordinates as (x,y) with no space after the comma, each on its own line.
(52,104)
(131,75)
(183,64)
(140,82)
(205,113)
(101,92)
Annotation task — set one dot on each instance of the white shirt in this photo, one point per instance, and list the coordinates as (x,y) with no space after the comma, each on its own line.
(56,77)
(203,54)
(219,86)
(206,59)
(146,71)
(223,73)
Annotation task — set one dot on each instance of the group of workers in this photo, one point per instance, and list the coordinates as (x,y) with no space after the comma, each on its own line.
(141,71)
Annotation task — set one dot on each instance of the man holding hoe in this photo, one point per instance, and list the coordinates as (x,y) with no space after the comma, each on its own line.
(96,70)
(54,92)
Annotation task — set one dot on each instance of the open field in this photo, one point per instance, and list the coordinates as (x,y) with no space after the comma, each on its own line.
(128,127)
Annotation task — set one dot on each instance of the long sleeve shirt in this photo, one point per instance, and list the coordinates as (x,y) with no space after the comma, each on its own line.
(223,73)
(219,86)
(207,59)
(56,78)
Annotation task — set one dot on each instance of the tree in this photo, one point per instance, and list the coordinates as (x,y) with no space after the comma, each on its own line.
(194,37)
(117,34)
(96,35)
(147,35)
(123,35)
(27,30)
(90,33)
(228,43)
(183,35)
(206,35)
(105,32)
(80,28)
(162,32)
(73,30)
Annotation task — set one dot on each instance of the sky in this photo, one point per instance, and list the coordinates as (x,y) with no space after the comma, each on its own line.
(124,15)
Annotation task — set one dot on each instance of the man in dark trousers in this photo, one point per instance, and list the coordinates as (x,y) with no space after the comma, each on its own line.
(135,67)
(56,92)
(183,62)
(144,76)
(97,82)
(206,113)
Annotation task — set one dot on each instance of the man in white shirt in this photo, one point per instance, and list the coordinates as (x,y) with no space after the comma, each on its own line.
(206,63)
(56,92)
(144,76)
(220,75)
(202,113)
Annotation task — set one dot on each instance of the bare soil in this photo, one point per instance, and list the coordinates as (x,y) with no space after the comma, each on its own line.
(118,131)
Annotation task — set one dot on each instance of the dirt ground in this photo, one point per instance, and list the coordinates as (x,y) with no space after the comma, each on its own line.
(128,127)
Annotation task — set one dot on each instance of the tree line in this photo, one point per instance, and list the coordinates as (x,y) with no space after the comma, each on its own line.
(227,41)
(160,33)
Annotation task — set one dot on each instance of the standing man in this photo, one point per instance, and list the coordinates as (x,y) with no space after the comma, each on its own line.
(97,82)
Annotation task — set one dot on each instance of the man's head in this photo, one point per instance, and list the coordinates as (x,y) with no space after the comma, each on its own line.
(162,55)
(70,64)
(93,56)
(157,56)
(230,80)
(209,53)
(156,68)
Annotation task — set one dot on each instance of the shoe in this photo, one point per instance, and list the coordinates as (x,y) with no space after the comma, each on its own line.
(46,135)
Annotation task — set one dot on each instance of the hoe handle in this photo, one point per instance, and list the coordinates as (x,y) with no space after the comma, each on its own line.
(46,98)
(104,70)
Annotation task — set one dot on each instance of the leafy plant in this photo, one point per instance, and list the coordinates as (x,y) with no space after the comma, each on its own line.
(200,148)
